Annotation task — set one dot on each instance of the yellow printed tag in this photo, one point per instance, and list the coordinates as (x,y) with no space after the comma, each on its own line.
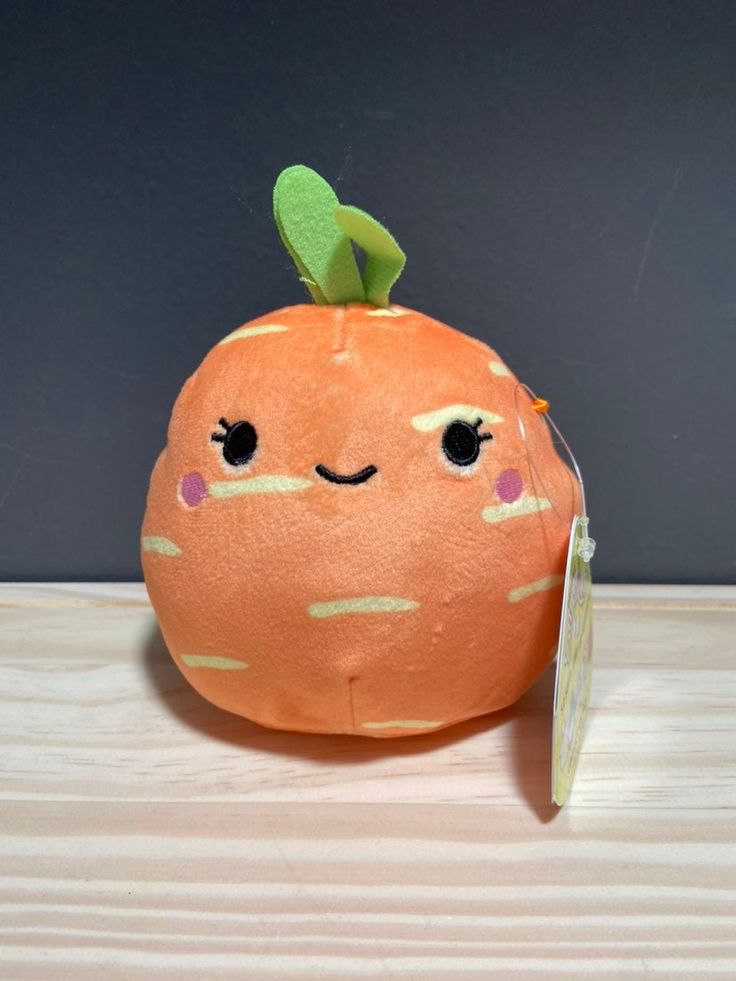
(574,662)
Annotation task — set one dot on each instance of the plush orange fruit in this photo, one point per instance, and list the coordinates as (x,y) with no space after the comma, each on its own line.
(359,523)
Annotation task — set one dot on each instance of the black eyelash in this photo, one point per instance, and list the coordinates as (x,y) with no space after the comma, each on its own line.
(220,437)
(481,436)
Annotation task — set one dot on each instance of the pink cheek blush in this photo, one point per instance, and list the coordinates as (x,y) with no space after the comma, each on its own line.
(509,486)
(192,489)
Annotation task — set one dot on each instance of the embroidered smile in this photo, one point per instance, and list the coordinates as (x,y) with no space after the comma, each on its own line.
(359,477)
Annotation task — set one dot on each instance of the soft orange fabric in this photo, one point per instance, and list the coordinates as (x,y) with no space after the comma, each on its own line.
(427,594)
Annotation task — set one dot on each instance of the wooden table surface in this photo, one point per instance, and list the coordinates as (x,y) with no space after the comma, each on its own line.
(146,834)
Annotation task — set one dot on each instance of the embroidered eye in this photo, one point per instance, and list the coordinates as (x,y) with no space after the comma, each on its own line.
(239,442)
(461,442)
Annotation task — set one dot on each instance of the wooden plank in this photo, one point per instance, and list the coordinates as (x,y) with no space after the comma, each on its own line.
(147,834)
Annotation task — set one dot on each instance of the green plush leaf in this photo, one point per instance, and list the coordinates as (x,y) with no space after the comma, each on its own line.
(304,208)
(384,257)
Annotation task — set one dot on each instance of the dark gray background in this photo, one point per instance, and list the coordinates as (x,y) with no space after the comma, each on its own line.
(562,177)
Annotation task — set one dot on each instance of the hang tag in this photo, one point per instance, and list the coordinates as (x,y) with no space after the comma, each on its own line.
(574,661)
(575,642)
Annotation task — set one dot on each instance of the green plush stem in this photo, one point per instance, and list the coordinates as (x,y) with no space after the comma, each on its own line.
(318,233)
(304,208)
(384,258)
(316,293)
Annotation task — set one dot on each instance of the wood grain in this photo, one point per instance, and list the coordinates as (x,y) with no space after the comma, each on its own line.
(146,834)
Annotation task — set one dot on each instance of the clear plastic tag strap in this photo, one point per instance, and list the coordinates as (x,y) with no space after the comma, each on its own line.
(586,544)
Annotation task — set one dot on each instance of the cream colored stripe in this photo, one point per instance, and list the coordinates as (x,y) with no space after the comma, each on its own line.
(266,484)
(362,604)
(522,592)
(402,724)
(157,543)
(386,312)
(428,421)
(499,368)
(242,332)
(213,661)
(524,505)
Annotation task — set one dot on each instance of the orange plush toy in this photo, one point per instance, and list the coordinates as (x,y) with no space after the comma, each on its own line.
(359,523)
